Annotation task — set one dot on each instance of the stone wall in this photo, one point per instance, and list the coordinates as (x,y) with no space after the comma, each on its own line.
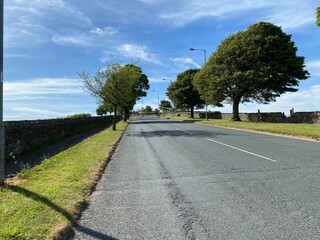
(276,117)
(24,136)
(305,117)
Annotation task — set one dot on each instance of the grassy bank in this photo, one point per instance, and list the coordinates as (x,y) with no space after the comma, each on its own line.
(44,201)
(311,131)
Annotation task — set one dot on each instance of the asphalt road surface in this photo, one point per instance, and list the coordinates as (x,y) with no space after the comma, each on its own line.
(177,180)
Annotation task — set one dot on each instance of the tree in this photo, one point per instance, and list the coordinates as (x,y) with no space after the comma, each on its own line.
(98,86)
(258,64)
(117,85)
(138,89)
(318,16)
(104,108)
(182,92)
(148,109)
(165,105)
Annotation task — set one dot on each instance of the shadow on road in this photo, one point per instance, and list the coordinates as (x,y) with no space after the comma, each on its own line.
(94,234)
(174,133)
(153,121)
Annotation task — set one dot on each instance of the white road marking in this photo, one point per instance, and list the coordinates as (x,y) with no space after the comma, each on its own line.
(184,131)
(239,149)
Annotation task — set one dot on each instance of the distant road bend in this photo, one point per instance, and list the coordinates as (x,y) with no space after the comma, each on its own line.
(175,180)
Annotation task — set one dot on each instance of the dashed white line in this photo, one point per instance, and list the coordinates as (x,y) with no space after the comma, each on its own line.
(239,149)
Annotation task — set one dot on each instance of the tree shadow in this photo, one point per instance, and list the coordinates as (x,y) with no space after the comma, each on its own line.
(174,133)
(32,159)
(39,198)
(153,121)
(71,218)
(93,233)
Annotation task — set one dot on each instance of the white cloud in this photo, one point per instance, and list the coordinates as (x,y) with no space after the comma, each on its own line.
(41,86)
(45,98)
(134,51)
(93,38)
(152,102)
(292,14)
(13,55)
(289,14)
(73,39)
(313,67)
(301,101)
(185,61)
(32,110)
(315,64)
(29,23)
(153,2)
(190,11)
(106,31)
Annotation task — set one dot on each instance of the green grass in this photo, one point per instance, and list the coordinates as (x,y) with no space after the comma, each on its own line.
(311,131)
(47,199)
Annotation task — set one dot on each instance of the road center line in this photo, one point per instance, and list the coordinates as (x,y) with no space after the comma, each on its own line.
(239,149)
(184,131)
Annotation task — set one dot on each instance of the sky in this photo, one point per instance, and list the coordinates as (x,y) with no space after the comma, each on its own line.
(47,43)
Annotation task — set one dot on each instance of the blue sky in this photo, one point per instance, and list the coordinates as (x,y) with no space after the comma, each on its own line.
(47,43)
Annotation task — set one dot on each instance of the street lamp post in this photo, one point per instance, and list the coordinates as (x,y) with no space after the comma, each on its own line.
(2,144)
(205,61)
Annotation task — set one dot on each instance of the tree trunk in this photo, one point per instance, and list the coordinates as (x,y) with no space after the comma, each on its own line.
(125,114)
(192,112)
(128,114)
(114,128)
(235,109)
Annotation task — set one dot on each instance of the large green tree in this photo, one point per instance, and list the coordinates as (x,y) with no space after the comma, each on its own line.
(138,88)
(116,85)
(104,108)
(182,92)
(148,109)
(165,105)
(318,16)
(258,64)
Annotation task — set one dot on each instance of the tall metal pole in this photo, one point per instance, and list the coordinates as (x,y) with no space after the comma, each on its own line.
(2,159)
(205,61)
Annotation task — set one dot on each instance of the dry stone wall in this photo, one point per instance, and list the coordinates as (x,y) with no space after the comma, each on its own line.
(275,117)
(24,136)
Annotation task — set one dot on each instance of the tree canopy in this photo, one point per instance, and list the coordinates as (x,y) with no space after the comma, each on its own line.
(182,92)
(120,86)
(137,88)
(318,16)
(165,105)
(148,109)
(104,108)
(258,64)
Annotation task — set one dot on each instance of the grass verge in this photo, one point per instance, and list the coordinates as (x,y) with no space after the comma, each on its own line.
(311,131)
(45,201)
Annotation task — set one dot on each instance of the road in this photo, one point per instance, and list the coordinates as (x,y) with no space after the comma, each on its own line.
(175,180)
